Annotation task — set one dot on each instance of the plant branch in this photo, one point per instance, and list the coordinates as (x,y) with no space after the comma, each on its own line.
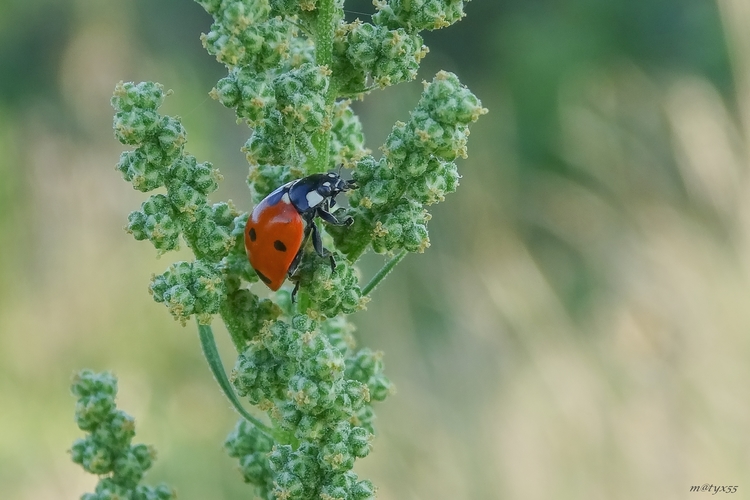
(211,354)
(324,33)
(387,268)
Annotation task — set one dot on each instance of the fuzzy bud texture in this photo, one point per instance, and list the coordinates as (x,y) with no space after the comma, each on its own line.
(107,450)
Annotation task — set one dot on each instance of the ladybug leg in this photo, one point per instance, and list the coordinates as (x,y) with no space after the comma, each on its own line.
(298,258)
(294,292)
(331,219)
(318,244)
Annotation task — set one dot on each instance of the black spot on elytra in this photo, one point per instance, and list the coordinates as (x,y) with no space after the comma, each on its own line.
(251,233)
(263,277)
(279,245)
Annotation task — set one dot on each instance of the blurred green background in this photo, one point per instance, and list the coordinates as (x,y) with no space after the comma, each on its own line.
(578,329)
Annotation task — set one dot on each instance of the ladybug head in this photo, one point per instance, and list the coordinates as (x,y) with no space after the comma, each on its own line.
(318,190)
(332,184)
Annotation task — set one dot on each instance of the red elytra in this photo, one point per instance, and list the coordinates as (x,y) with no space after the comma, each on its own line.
(273,236)
(279,225)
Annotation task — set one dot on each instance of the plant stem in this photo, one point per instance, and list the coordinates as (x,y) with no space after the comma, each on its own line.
(324,31)
(387,268)
(211,354)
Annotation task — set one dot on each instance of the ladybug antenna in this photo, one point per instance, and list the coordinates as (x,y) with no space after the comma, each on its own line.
(340,167)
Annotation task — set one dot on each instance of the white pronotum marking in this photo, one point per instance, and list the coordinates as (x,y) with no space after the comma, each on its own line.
(285,198)
(313,198)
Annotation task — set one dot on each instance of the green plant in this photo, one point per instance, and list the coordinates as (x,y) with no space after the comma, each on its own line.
(106,450)
(292,67)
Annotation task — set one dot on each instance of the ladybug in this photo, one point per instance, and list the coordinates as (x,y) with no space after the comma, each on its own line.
(280,224)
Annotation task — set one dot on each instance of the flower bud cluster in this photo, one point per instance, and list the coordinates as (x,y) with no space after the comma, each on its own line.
(107,450)
(348,140)
(285,111)
(370,52)
(248,444)
(416,169)
(317,388)
(159,160)
(244,35)
(322,471)
(418,15)
(331,292)
(210,230)
(190,288)
(273,81)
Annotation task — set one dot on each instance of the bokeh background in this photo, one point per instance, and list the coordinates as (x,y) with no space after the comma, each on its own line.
(579,328)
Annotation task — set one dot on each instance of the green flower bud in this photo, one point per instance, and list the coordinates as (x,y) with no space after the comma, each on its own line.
(405,226)
(109,489)
(279,456)
(135,126)
(145,95)
(188,202)
(96,398)
(155,222)
(188,289)
(327,365)
(339,433)
(388,56)
(364,417)
(291,417)
(200,177)
(418,15)
(440,179)
(347,141)
(339,332)
(244,314)
(330,292)
(160,492)
(278,338)
(246,439)
(377,183)
(254,468)
(107,449)
(251,447)
(304,393)
(249,93)
(257,376)
(136,168)
(171,138)
(118,431)
(364,45)
(265,178)
(363,490)
(336,457)
(449,102)
(92,456)
(399,59)
(360,442)
(329,492)
(351,79)
(300,98)
(310,427)
(269,144)
(356,394)
(130,466)
(303,463)
(367,367)
(289,486)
